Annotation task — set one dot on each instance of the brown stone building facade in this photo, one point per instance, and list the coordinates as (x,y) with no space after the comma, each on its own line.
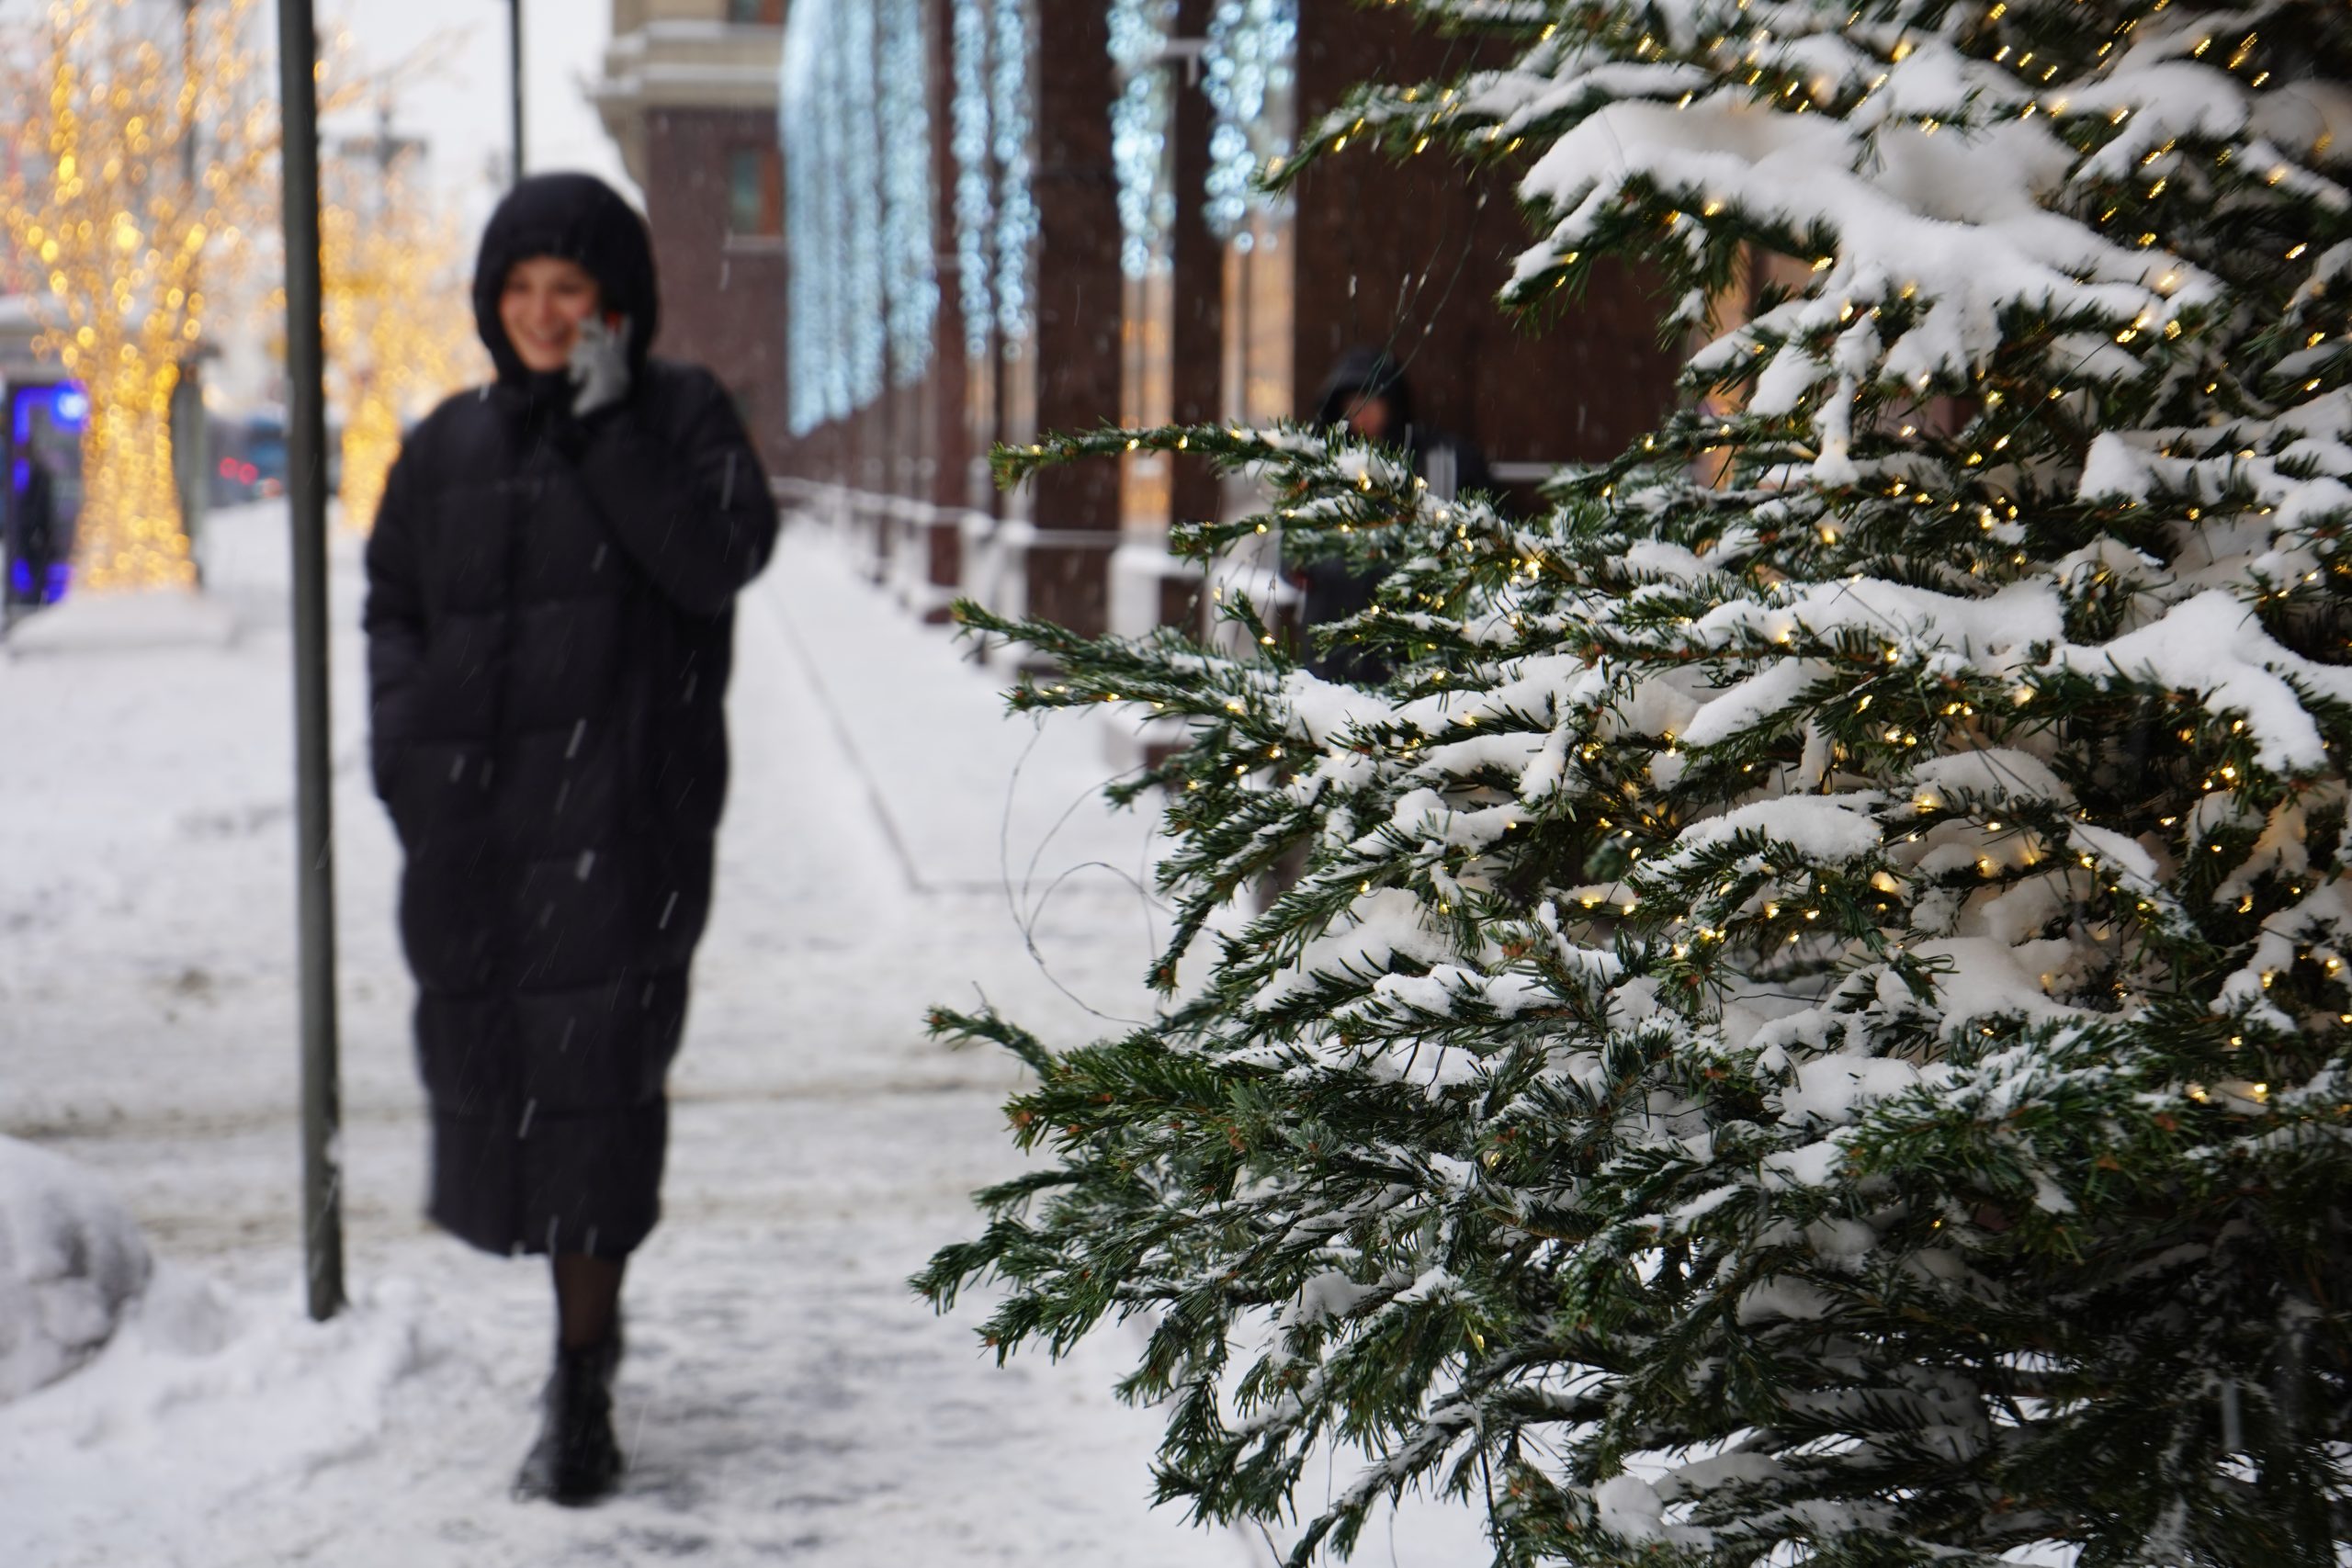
(688,92)
(1003,216)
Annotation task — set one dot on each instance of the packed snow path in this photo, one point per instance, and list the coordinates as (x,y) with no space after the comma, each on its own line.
(785,1397)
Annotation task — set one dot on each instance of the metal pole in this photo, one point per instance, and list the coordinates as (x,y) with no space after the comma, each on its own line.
(305,487)
(191,446)
(515,54)
(188,76)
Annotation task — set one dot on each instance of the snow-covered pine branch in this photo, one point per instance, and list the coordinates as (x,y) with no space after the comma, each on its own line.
(1814,1026)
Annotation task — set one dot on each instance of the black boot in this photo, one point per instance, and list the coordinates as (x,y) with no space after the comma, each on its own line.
(575,1460)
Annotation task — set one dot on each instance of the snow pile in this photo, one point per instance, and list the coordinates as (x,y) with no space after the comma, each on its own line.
(71,1262)
(204,1395)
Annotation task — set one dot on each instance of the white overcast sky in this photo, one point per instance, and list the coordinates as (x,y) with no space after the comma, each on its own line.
(461,109)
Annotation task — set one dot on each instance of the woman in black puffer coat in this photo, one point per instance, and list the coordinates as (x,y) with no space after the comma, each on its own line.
(549,628)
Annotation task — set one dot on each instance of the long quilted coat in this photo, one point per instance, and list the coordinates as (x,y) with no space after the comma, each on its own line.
(549,628)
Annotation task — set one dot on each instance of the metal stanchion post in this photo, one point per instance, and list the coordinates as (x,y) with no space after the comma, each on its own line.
(514,57)
(306,488)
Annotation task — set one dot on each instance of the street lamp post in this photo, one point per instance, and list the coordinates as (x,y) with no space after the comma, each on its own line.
(306,490)
(191,443)
(514,57)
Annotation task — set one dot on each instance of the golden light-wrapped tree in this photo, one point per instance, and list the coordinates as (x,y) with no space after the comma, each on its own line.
(399,325)
(141,166)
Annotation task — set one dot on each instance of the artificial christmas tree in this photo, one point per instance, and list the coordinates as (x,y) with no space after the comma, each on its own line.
(1815,1026)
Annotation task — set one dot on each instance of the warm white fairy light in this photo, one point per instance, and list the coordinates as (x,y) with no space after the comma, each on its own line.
(130,254)
(399,334)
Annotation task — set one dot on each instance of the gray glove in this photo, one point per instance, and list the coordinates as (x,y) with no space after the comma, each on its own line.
(599,368)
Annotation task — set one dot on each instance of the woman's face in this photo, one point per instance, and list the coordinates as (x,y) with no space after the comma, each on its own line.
(1368,414)
(541,306)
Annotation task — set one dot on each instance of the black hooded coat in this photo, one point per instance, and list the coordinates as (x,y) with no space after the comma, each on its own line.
(549,630)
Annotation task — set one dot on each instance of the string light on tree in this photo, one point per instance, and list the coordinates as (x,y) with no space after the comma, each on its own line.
(1833,1052)
(399,334)
(119,109)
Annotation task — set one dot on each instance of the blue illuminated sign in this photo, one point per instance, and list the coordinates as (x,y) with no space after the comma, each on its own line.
(68,406)
(44,417)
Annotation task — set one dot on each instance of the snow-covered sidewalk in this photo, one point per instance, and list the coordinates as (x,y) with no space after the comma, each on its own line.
(785,1397)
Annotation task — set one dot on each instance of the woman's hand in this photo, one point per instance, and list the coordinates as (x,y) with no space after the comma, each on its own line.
(599,365)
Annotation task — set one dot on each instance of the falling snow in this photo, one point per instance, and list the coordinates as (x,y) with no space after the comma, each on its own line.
(785,1395)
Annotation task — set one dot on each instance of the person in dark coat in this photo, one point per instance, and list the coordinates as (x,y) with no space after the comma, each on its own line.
(37,526)
(1366,395)
(549,628)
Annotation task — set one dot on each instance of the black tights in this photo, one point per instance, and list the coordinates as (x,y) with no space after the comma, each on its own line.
(587,1298)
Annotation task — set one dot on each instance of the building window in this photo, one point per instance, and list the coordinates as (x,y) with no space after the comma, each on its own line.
(760,13)
(755,192)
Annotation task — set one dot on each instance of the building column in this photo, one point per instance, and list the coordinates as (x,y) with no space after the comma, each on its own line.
(1065,377)
(1174,343)
(932,563)
(1197,330)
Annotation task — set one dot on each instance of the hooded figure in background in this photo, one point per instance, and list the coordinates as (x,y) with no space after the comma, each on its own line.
(549,628)
(1366,394)
(37,527)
